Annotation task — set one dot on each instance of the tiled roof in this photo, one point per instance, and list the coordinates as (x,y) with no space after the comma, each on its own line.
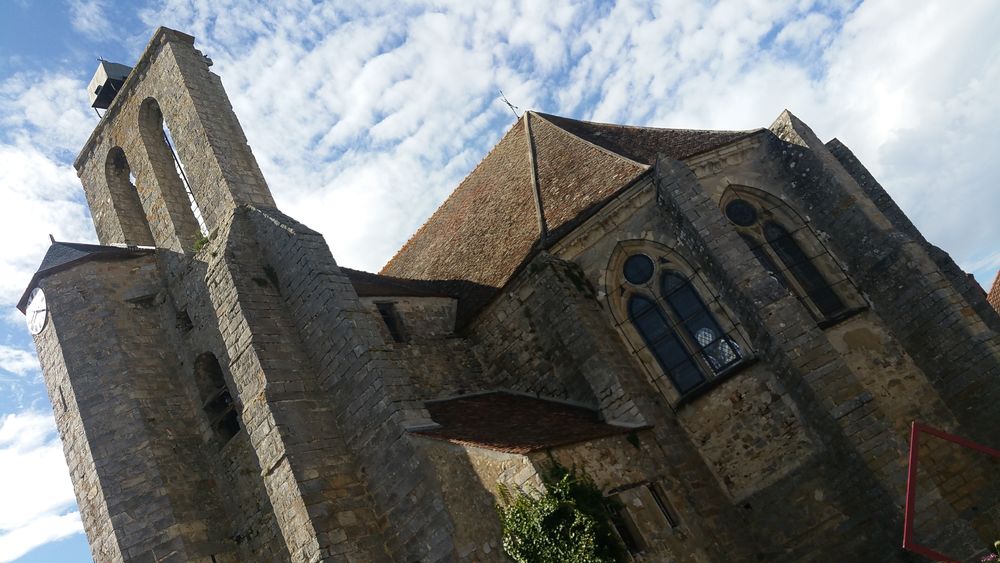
(487,226)
(61,255)
(994,295)
(544,174)
(514,423)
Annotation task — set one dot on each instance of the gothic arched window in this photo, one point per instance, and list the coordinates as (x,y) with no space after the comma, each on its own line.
(787,248)
(676,326)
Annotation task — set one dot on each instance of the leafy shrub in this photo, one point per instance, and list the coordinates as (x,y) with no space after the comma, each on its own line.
(567,523)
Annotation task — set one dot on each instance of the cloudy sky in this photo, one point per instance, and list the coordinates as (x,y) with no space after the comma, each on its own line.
(366,114)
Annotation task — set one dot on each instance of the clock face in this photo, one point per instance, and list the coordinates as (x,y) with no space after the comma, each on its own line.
(36,312)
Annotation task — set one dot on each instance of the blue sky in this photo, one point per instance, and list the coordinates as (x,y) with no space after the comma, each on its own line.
(365,115)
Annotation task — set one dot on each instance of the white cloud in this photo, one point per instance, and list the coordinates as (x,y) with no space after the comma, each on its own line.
(38,501)
(17,361)
(41,196)
(91,17)
(43,123)
(806,32)
(389,109)
(38,532)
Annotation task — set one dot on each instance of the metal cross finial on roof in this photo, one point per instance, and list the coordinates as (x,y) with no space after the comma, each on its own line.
(512,107)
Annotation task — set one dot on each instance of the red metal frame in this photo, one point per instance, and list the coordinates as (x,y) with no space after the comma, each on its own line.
(911,484)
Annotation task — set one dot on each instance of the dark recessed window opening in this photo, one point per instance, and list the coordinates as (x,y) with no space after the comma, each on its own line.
(392,321)
(668,513)
(802,269)
(786,255)
(715,347)
(184,321)
(653,326)
(627,530)
(217,401)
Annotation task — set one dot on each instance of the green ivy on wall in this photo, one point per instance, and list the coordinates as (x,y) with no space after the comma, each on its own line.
(567,523)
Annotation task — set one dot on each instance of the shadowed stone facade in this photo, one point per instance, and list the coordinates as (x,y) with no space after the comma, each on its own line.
(730,331)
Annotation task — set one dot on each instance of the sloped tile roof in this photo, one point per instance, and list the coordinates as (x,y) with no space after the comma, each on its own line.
(642,144)
(543,176)
(62,255)
(487,226)
(574,174)
(367,284)
(514,423)
(994,295)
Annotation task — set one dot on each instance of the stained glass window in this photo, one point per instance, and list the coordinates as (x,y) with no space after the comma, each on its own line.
(718,350)
(651,322)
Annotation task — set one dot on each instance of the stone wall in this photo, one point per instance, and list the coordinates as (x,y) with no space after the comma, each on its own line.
(143,481)
(436,361)
(359,377)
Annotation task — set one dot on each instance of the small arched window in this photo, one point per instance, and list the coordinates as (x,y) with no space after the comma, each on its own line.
(677,327)
(787,248)
(125,200)
(217,401)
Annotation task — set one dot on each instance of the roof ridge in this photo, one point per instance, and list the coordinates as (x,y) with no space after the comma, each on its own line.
(536,187)
(647,127)
(543,116)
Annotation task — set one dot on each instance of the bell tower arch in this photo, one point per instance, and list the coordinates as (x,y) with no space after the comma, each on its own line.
(170,95)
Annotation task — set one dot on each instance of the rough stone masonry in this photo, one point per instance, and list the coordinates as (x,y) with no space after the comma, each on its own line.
(729,331)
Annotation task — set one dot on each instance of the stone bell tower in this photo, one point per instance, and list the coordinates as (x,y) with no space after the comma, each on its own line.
(219,390)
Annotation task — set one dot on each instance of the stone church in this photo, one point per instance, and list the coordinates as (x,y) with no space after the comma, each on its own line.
(730,332)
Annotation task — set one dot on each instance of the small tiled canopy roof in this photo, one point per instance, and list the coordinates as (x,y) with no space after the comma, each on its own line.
(543,175)
(62,255)
(514,423)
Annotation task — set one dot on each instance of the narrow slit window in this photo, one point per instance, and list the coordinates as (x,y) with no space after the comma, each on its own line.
(661,503)
(627,530)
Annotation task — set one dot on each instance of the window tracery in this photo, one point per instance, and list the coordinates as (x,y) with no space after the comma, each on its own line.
(788,249)
(663,307)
